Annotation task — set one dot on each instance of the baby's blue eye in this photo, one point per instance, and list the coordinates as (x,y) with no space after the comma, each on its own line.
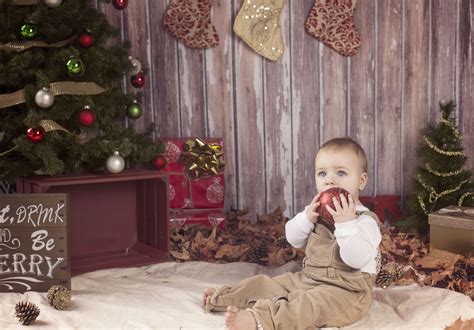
(341,173)
(322,174)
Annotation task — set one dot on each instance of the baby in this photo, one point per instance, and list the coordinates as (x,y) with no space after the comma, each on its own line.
(334,287)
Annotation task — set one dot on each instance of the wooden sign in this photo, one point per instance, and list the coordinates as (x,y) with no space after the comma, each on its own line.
(33,242)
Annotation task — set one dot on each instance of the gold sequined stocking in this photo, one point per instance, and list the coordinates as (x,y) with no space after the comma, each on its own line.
(332,22)
(190,22)
(258,24)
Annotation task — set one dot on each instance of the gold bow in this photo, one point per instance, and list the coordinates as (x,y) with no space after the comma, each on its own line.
(202,159)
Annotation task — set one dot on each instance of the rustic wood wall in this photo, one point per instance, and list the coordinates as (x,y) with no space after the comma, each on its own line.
(274,116)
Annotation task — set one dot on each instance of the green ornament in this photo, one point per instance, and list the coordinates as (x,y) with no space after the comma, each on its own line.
(28,31)
(75,67)
(134,110)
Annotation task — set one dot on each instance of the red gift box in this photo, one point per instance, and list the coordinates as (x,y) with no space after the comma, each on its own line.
(184,192)
(208,217)
(387,207)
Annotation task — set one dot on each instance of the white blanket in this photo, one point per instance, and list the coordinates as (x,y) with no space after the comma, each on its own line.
(168,296)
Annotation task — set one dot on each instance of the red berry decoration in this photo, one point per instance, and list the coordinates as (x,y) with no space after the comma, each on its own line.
(86,39)
(87,117)
(138,80)
(35,134)
(160,162)
(326,199)
(120,4)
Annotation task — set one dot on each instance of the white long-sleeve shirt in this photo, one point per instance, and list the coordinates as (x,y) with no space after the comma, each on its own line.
(358,239)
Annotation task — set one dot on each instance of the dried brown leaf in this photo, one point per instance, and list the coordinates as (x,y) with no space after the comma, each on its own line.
(234,251)
(461,325)
(184,255)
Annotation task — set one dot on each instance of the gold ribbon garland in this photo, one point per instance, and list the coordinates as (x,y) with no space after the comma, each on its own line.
(422,204)
(19,46)
(429,169)
(433,197)
(202,159)
(441,151)
(57,88)
(463,197)
(48,125)
(453,128)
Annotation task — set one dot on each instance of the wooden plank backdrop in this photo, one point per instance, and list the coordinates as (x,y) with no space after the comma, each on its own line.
(273,116)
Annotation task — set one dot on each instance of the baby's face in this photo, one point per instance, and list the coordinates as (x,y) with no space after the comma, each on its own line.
(340,168)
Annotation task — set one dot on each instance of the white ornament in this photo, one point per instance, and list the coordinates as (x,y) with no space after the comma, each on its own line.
(172,193)
(53,3)
(136,66)
(172,152)
(115,163)
(215,192)
(44,98)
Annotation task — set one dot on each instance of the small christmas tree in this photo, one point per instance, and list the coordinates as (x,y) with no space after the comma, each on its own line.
(60,109)
(442,179)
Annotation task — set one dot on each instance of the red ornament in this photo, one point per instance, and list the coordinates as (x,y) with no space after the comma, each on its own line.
(87,117)
(326,199)
(86,39)
(160,162)
(35,134)
(120,4)
(138,80)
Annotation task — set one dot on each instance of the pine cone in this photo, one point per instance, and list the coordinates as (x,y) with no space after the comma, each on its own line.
(282,242)
(460,274)
(59,297)
(26,312)
(390,273)
(258,253)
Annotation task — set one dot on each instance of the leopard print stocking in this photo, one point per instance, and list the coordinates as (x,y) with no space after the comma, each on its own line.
(190,22)
(258,24)
(332,22)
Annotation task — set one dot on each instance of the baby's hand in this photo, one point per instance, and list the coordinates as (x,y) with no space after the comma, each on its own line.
(344,211)
(311,213)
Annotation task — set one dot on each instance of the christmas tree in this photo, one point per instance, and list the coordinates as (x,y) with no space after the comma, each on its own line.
(442,179)
(60,109)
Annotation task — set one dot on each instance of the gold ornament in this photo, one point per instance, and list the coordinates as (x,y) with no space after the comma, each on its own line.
(422,204)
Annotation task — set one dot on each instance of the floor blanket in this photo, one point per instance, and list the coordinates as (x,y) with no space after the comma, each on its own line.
(168,296)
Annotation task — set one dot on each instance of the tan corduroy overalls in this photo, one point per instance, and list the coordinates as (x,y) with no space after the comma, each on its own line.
(326,292)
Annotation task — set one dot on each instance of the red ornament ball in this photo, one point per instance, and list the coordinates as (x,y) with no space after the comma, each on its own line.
(87,117)
(326,199)
(35,134)
(138,80)
(86,39)
(160,162)
(120,4)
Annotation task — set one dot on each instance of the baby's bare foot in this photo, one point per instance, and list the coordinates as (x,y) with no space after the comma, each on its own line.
(237,319)
(207,293)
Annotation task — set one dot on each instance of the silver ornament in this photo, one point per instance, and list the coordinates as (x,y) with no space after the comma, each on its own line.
(115,163)
(44,98)
(53,3)
(136,66)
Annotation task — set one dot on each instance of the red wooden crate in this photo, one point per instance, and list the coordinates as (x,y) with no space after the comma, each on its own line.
(116,220)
